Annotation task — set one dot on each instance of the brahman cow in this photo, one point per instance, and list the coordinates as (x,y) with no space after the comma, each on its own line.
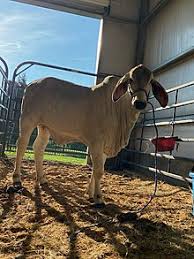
(101,117)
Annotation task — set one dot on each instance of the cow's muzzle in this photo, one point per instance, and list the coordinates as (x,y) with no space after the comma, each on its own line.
(139,105)
(139,99)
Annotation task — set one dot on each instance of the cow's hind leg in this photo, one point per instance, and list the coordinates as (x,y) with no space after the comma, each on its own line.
(25,132)
(39,147)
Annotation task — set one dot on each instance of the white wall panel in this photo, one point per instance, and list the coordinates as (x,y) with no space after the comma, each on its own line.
(117,48)
(170,33)
(117,53)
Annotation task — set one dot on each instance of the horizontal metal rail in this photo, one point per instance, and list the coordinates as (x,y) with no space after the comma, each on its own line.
(31,63)
(161,172)
(170,120)
(176,88)
(177,140)
(165,123)
(152,154)
(56,151)
(173,106)
(177,105)
(169,157)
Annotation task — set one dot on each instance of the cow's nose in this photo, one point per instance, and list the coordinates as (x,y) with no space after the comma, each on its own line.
(139,105)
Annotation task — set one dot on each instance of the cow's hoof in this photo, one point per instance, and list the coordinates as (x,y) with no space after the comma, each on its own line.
(43,182)
(16,188)
(91,200)
(99,205)
(10,189)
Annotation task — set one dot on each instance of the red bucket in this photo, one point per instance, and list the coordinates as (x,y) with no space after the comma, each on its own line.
(164,143)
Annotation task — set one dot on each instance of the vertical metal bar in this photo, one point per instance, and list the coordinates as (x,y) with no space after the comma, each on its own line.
(140,45)
(173,126)
(141,37)
(4,83)
(9,110)
(5,74)
(174,114)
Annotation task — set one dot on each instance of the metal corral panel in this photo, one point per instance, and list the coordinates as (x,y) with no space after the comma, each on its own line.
(170,37)
(170,33)
(185,149)
(175,76)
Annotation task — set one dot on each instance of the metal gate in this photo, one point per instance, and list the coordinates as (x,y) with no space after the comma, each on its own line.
(173,165)
(4,101)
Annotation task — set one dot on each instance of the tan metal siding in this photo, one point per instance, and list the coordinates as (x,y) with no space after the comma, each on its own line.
(170,34)
(118,47)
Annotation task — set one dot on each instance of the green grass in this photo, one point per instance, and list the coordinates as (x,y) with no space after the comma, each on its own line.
(52,157)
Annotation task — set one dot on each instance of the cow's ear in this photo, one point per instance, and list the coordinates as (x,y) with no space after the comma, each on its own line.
(120,89)
(159,93)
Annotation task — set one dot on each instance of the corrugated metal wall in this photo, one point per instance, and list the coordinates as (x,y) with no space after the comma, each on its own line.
(169,34)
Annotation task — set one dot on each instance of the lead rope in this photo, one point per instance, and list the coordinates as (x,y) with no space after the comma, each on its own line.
(130,215)
(123,217)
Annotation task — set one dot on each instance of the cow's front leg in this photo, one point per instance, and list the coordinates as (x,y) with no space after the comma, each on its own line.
(98,160)
(91,188)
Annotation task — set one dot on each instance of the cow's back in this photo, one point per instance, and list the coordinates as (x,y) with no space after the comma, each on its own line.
(56,103)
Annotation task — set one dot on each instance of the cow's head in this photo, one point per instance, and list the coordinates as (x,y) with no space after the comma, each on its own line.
(137,82)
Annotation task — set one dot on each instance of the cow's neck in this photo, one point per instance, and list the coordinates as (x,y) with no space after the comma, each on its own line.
(127,117)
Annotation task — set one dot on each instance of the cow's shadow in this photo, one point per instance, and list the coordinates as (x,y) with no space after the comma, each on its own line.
(136,233)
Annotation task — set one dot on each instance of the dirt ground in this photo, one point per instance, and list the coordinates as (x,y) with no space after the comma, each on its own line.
(40,222)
